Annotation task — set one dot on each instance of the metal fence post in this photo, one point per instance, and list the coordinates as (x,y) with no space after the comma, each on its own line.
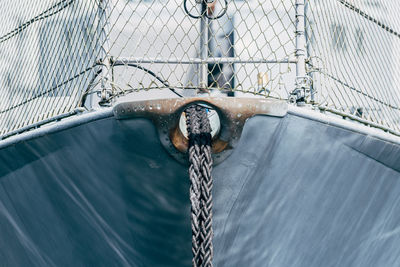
(107,88)
(204,25)
(302,79)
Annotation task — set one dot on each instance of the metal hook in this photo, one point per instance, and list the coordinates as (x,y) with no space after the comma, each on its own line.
(220,15)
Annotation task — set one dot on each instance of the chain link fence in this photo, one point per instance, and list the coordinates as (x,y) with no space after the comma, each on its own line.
(354,60)
(57,56)
(48,50)
(230,45)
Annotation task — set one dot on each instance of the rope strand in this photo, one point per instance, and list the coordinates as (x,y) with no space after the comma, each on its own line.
(199,130)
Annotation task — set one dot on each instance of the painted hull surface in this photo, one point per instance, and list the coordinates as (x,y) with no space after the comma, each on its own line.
(294,192)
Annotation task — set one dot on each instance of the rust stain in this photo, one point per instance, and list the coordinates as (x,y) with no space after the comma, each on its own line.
(232,112)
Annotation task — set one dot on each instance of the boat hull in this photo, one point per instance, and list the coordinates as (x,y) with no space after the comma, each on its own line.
(294,192)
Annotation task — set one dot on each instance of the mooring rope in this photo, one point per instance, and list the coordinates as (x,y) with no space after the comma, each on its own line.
(199,133)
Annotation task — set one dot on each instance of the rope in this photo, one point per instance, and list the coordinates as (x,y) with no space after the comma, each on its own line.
(199,130)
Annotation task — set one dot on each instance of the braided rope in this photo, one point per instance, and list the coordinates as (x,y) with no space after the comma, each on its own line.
(199,130)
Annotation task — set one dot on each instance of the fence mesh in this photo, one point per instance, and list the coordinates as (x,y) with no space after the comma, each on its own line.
(239,43)
(48,50)
(60,55)
(354,60)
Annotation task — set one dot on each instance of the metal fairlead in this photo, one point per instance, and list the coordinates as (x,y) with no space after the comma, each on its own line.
(232,113)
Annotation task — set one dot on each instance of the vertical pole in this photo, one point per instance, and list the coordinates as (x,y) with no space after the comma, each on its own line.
(106,61)
(308,37)
(301,75)
(203,77)
(300,39)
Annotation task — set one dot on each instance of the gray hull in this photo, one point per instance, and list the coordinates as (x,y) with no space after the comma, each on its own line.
(294,192)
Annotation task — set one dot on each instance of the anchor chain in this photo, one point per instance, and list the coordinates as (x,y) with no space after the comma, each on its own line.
(199,133)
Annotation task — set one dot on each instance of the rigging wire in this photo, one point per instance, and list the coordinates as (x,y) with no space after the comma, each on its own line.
(94,77)
(49,90)
(353,88)
(164,82)
(370,18)
(64,4)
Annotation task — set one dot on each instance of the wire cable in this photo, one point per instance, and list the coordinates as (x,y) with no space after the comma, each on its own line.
(363,14)
(64,4)
(149,72)
(49,90)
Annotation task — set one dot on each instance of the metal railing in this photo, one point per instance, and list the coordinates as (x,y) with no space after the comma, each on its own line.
(354,59)
(223,45)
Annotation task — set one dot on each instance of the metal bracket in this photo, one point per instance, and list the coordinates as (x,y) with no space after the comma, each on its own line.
(302,91)
(105,96)
(107,89)
(232,112)
(204,14)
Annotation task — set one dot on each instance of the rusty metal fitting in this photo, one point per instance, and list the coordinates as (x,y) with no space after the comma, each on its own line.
(232,112)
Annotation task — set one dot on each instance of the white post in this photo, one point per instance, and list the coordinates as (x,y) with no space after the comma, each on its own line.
(300,39)
(302,80)
(103,28)
(204,25)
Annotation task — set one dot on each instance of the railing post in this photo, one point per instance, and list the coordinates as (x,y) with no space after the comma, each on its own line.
(107,88)
(204,25)
(303,81)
